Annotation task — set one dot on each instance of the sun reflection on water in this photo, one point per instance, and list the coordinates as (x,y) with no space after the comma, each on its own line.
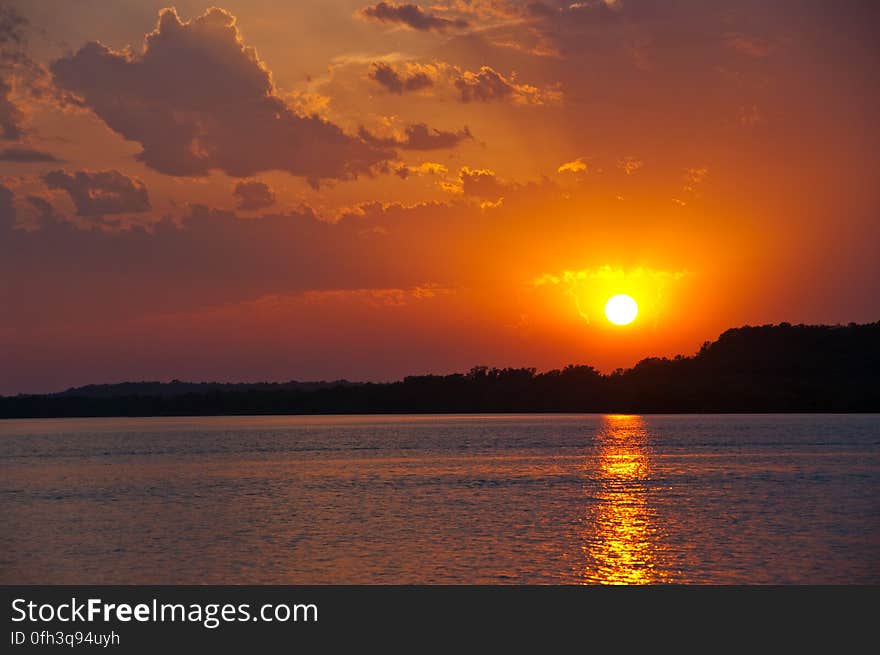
(621,541)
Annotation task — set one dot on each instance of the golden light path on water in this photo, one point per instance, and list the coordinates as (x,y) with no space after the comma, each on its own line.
(621,540)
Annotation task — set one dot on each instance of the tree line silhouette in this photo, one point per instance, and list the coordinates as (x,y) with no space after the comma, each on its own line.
(748,369)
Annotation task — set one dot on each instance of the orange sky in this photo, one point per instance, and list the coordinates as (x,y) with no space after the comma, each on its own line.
(318,190)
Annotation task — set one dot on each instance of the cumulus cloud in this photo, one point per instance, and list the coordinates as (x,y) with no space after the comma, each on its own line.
(100,193)
(198,99)
(26,156)
(485,184)
(254,195)
(576,166)
(41,213)
(487,85)
(397,82)
(480,182)
(419,137)
(411,16)
(484,85)
(45,212)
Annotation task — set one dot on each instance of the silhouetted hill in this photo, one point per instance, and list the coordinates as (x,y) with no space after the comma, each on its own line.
(749,369)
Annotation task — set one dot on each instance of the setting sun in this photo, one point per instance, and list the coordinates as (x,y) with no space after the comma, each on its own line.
(621,309)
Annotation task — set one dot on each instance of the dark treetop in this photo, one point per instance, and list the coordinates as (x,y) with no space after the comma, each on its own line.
(749,369)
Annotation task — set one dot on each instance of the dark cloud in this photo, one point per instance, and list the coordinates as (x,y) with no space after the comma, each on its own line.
(488,84)
(13,37)
(397,82)
(198,99)
(15,63)
(540,9)
(101,193)
(7,211)
(482,183)
(254,195)
(97,276)
(26,155)
(411,16)
(10,115)
(12,26)
(46,212)
(483,85)
(95,272)
(419,137)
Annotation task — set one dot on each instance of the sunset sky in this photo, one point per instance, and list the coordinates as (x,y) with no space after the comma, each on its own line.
(272,190)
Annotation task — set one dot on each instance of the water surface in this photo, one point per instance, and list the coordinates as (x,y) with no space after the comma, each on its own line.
(442,499)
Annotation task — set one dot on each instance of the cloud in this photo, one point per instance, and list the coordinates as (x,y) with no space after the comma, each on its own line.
(481,182)
(484,184)
(576,166)
(100,274)
(198,99)
(487,85)
(11,116)
(590,288)
(411,16)
(26,155)
(403,171)
(7,210)
(484,85)
(375,297)
(19,74)
(630,165)
(397,82)
(608,273)
(12,26)
(46,214)
(100,193)
(12,32)
(136,270)
(538,47)
(254,195)
(419,137)
(693,177)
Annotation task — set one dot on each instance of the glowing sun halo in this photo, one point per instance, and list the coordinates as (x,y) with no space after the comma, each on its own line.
(621,309)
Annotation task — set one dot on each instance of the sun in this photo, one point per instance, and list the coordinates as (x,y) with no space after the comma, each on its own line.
(621,309)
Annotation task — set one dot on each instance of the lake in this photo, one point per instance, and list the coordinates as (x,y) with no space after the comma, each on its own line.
(540,499)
